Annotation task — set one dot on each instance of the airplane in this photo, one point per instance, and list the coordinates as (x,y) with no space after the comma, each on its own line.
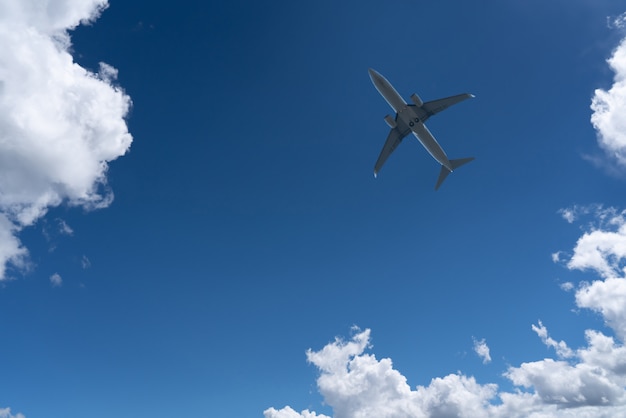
(410,118)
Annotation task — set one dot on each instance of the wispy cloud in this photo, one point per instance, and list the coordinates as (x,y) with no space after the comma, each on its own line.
(85,263)
(6,413)
(482,349)
(287,412)
(561,348)
(60,124)
(64,228)
(586,382)
(56,280)
(617,22)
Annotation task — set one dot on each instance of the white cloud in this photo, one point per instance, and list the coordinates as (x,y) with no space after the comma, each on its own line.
(560,383)
(607,297)
(85,263)
(64,228)
(569,214)
(482,349)
(562,350)
(6,413)
(603,247)
(287,412)
(11,250)
(573,213)
(589,381)
(60,124)
(609,106)
(357,385)
(617,22)
(56,280)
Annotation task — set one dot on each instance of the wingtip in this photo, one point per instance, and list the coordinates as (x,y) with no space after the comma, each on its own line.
(375,174)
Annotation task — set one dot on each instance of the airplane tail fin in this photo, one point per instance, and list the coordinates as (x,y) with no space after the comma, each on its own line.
(455,164)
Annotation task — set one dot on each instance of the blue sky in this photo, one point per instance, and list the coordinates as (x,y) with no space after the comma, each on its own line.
(187,272)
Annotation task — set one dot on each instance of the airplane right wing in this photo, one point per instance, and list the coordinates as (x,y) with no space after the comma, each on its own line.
(396,135)
(436,106)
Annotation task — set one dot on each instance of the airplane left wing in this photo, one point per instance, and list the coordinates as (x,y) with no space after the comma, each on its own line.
(436,106)
(396,135)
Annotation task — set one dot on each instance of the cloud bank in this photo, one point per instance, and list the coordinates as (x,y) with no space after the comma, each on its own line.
(60,124)
(586,382)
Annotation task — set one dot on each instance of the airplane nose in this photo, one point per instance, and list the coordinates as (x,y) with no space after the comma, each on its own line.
(374,76)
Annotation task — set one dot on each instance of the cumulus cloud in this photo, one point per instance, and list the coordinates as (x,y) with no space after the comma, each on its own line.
(607,297)
(589,381)
(609,106)
(364,386)
(482,349)
(60,124)
(603,247)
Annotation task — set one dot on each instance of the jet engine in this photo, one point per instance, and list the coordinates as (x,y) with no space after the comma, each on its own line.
(416,99)
(390,121)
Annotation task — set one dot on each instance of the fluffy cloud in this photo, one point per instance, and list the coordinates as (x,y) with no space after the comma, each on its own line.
(586,382)
(609,106)
(357,385)
(60,124)
(364,386)
(602,248)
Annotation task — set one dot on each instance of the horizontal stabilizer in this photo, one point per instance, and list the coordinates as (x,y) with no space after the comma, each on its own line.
(443,174)
(459,162)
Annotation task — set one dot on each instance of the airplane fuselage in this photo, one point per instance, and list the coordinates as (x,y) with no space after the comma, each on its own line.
(408,115)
